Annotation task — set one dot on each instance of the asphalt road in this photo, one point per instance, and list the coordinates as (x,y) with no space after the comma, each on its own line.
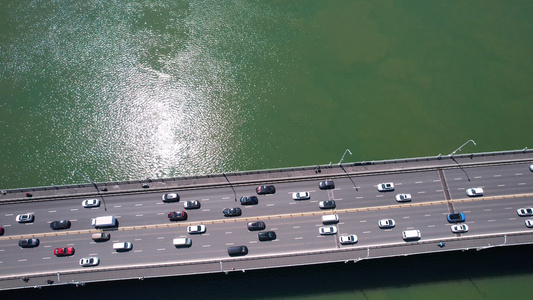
(143,218)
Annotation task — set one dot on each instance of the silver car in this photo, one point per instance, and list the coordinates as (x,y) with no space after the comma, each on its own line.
(301,196)
(386,186)
(25,218)
(523,212)
(403,197)
(348,239)
(459,228)
(327,230)
(89,261)
(386,223)
(474,192)
(90,203)
(196,229)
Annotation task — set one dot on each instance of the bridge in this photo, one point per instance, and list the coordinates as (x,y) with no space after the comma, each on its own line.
(437,184)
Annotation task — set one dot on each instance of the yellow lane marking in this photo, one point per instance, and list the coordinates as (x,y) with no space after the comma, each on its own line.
(267,217)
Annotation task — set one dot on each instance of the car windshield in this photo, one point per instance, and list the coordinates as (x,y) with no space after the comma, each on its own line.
(455,216)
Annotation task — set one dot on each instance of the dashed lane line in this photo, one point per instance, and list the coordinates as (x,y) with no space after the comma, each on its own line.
(268,217)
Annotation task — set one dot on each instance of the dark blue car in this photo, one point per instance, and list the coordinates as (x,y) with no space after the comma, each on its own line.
(456,217)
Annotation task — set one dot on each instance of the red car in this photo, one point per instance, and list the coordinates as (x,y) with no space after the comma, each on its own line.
(64,251)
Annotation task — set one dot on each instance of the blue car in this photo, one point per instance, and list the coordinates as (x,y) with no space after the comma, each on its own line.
(456,217)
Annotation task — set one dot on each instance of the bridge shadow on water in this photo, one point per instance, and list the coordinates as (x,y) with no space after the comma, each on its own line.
(299,282)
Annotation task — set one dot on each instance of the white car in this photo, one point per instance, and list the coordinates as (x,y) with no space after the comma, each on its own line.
(90,203)
(527,211)
(89,261)
(327,230)
(25,218)
(172,197)
(196,229)
(459,228)
(403,197)
(386,223)
(301,196)
(348,239)
(474,192)
(386,186)
(529,223)
(531,168)
(191,204)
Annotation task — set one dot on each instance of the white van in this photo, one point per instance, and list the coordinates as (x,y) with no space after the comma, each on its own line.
(122,246)
(411,235)
(182,242)
(330,219)
(107,221)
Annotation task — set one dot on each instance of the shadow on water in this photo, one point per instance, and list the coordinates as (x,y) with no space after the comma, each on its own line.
(307,281)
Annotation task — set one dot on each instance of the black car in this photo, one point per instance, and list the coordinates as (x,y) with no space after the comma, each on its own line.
(63,224)
(28,243)
(237,250)
(326,185)
(230,212)
(250,200)
(177,215)
(265,189)
(266,235)
(258,225)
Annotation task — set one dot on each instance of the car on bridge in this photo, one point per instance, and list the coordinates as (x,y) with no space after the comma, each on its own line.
(386,187)
(257,225)
(348,239)
(529,223)
(403,197)
(524,212)
(301,196)
(192,204)
(459,228)
(122,246)
(2,230)
(237,250)
(386,223)
(456,217)
(89,261)
(265,189)
(196,229)
(266,235)
(327,204)
(232,212)
(326,185)
(90,203)
(177,215)
(250,200)
(25,218)
(63,224)
(29,243)
(327,230)
(172,197)
(66,251)
(474,192)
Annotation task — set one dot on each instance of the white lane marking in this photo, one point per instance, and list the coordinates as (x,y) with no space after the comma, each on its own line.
(422,192)
(70,244)
(139,204)
(407,217)
(362,221)
(48,246)
(439,191)
(458,178)
(9,215)
(273,228)
(436,180)
(228,232)
(207,209)
(52,211)
(299,238)
(252,242)
(511,219)
(225,198)
(478,177)
(497,175)
(160,237)
(418,181)
(117,206)
(500,185)
(159,203)
(522,183)
(292,202)
(366,232)
(161,249)
(431,226)
(508,208)
(137,251)
(133,240)
(28,224)
(398,183)
(2,250)
(270,204)
(23,259)
(518,174)
(377,196)
(139,215)
(295,227)
(491,220)
(93,254)
(7,225)
(74,209)
(159,214)
(47,257)
(205,199)
(359,197)
(205,246)
(487,209)
(229,244)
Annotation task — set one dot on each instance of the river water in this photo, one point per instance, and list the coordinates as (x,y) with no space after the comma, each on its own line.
(148,89)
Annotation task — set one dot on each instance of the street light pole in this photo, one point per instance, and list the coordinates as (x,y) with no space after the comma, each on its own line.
(459,149)
(224,174)
(95,186)
(347,150)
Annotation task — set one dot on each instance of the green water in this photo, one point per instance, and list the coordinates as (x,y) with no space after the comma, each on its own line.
(148,89)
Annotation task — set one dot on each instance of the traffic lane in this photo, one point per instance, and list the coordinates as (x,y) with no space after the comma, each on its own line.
(495,181)
(430,220)
(494,216)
